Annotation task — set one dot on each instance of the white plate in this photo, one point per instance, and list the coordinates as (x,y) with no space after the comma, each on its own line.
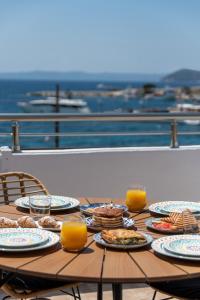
(158,247)
(22,237)
(159,207)
(56,201)
(180,206)
(72,203)
(98,239)
(53,239)
(188,245)
(127,223)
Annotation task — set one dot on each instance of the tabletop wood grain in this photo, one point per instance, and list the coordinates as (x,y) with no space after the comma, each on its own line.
(95,263)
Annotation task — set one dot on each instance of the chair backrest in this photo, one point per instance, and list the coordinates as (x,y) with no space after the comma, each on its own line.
(14,185)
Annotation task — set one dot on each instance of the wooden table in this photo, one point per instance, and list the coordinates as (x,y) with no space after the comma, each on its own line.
(95,263)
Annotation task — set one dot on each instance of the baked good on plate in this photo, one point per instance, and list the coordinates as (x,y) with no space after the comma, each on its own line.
(27,222)
(123,237)
(7,223)
(48,222)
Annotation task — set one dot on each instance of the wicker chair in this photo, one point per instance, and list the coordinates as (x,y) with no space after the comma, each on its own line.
(12,186)
(18,184)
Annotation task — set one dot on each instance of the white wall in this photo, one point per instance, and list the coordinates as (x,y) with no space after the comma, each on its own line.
(168,174)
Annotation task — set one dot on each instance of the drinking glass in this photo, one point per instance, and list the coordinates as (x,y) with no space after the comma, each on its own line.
(73,233)
(136,198)
(40,206)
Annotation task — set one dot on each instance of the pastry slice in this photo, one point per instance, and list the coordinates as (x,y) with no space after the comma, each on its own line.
(123,237)
(7,223)
(48,222)
(27,222)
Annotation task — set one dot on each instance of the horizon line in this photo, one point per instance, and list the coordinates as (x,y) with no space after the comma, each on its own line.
(85,72)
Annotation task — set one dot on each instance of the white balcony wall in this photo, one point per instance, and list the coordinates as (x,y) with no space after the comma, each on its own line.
(168,174)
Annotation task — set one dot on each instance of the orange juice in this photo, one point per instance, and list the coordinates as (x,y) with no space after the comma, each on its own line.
(136,199)
(73,235)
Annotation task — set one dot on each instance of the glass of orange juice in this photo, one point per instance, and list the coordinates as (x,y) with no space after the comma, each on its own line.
(136,198)
(73,233)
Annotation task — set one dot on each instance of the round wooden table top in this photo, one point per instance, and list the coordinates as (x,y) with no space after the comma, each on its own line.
(95,263)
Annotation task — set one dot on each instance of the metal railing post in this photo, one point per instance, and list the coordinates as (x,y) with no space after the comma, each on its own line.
(15,137)
(57,110)
(174,139)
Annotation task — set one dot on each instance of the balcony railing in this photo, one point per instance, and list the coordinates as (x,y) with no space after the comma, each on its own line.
(171,118)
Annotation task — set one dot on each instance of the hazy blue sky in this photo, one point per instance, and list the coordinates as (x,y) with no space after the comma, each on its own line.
(152,36)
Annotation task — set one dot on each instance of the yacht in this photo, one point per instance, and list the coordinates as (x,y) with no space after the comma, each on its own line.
(49,105)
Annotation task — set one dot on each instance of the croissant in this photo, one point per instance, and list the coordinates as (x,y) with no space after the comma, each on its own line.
(48,222)
(7,223)
(27,222)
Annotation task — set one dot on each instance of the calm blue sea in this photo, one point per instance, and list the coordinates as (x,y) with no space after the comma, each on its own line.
(12,92)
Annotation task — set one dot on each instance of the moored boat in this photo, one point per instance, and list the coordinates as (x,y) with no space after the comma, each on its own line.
(49,105)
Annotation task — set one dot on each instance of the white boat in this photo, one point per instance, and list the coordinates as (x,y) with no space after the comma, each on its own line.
(185,107)
(49,105)
(192,122)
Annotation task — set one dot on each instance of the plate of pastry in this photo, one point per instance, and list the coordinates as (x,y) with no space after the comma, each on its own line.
(89,209)
(47,222)
(123,239)
(107,217)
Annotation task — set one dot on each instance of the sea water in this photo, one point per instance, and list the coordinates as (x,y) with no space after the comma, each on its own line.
(12,92)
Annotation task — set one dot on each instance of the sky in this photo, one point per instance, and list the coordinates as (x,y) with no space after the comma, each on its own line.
(137,36)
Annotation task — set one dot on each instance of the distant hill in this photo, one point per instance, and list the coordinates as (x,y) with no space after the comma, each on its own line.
(80,76)
(183,75)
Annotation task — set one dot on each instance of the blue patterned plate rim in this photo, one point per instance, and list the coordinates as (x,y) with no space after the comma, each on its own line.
(158,207)
(185,245)
(56,201)
(179,207)
(158,247)
(127,223)
(98,239)
(53,239)
(22,237)
(149,225)
(72,204)
(83,208)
